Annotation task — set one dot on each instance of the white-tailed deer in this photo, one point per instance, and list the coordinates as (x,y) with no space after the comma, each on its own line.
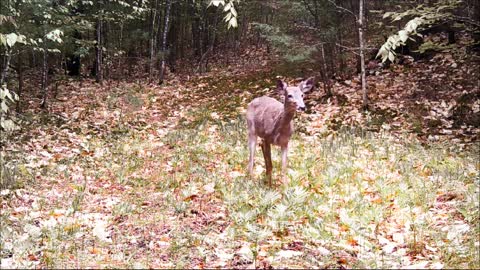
(271,120)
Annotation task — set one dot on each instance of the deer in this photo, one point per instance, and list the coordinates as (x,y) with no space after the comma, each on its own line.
(272,121)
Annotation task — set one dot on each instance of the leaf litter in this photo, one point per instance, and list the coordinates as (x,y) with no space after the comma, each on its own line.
(141,176)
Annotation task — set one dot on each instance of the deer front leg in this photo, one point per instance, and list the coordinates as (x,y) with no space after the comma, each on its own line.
(267,155)
(252,143)
(284,163)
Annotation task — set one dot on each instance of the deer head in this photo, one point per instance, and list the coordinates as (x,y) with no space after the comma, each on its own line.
(294,94)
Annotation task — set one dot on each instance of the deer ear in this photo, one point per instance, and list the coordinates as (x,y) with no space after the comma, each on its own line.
(307,85)
(281,86)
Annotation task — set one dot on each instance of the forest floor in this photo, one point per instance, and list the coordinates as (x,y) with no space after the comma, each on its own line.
(142,176)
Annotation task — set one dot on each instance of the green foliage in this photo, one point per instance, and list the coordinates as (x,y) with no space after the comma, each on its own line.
(7,97)
(9,40)
(387,51)
(287,45)
(229,8)
(46,24)
(433,46)
(274,36)
(424,17)
(36,25)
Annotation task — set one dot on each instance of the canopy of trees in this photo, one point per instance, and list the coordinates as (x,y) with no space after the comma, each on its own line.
(116,40)
(123,135)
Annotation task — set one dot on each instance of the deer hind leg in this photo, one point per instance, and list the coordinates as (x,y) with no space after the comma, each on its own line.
(267,155)
(252,143)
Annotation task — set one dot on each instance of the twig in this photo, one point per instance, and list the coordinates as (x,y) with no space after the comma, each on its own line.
(314,14)
(355,48)
(467,20)
(344,9)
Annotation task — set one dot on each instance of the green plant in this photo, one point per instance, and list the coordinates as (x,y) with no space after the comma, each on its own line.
(423,18)
(7,121)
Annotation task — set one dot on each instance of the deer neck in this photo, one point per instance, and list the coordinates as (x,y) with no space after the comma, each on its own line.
(283,124)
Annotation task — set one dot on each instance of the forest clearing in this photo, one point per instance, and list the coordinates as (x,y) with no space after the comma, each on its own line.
(124,137)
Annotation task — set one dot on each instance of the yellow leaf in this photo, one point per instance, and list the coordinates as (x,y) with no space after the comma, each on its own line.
(377,200)
(94,250)
(344,228)
(352,241)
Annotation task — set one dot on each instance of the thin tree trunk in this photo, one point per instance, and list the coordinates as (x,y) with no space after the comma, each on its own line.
(326,79)
(214,36)
(20,80)
(98,66)
(203,64)
(4,74)
(119,58)
(341,54)
(362,52)
(164,41)
(195,31)
(152,42)
(172,36)
(202,36)
(106,68)
(43,104)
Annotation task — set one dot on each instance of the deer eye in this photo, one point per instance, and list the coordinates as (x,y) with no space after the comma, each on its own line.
(290,96)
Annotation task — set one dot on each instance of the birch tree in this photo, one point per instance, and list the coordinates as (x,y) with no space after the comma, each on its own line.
(361,41)
(164,41)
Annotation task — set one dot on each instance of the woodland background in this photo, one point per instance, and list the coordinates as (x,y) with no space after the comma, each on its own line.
(123,140)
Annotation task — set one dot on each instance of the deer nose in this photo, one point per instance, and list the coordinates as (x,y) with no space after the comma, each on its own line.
(302,108)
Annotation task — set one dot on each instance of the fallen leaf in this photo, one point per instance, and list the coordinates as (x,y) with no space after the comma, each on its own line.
(32,257)
(352,241)
(389,248)
(94,250)
(420,265)
(100,231)
(398,238)
(209,188)
(323,251)
(191,197)
(285,254)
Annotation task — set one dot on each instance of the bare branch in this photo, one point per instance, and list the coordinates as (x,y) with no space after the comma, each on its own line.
(309,8)
(343,9)
(467,20)
(353,49)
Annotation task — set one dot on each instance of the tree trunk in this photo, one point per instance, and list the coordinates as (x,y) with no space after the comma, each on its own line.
(98,62)
(152,42)
(43,104)
(194,29)
(326,78)
(341,54)
(120,44)
(164,41)
(203,63)
(202,33)
(106,68)
(20,80)
(4,74)
(361,40)
(214,35)
(172,37)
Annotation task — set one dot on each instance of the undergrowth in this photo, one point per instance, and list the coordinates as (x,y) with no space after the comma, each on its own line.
(345,193)
(183,199)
